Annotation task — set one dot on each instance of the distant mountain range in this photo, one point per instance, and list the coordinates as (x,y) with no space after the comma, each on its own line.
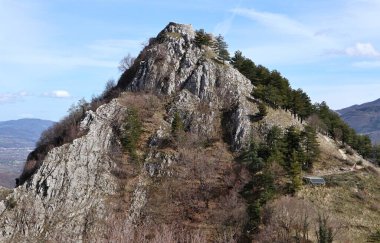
(22,133)
(17,139)
(364,118)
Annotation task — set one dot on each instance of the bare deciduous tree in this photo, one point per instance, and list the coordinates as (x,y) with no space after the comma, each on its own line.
(287,219)
(126,62)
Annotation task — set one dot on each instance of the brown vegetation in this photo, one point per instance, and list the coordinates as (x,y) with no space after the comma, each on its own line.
(291,219)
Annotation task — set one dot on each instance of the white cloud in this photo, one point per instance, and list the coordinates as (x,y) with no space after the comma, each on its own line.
(362,49)
(58,94)
(278,22)
(12,97)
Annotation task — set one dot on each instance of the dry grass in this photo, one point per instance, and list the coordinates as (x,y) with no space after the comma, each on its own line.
(352,199)
(174,35)
(198,192)
(4,193)
(202,192)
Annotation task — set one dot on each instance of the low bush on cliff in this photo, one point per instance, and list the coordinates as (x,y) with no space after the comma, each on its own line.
(131,132)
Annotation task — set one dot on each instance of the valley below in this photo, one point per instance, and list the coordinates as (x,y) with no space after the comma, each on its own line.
(17,140)
(11,164)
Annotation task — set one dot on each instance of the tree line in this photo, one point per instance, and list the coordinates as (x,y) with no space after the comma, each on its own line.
(275,91)
(282,154)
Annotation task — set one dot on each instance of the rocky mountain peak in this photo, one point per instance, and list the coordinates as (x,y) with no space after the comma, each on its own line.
(174,64)
(185,30)
(91,188)
(173,61)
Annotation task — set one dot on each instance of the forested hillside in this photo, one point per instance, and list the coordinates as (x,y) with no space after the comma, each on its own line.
(275,91)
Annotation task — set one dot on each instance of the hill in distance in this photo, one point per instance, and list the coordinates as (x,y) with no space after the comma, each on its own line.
(364,118)
(22,133)
(17,139)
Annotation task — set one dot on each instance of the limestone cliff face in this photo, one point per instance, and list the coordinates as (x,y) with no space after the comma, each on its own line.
(69,189)
(72,196)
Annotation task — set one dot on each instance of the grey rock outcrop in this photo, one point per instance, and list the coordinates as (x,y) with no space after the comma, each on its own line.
(69,190)
(174,64)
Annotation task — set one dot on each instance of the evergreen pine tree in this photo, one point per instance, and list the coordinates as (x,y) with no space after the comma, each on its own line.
(132,132)
(311,147)
(202,38)
(324,232)
(222,48)
(251,159)
(295,173)
(177,124)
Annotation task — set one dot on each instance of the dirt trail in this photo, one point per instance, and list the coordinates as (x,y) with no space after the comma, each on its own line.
(344,170)
(350,160)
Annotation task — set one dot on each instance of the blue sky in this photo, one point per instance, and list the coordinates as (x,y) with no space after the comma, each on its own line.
(55,52)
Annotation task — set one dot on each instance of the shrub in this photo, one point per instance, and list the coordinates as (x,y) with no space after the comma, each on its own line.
(324,231)
(349,150)
(10,203)
(374,237)
(262,110)
(126,63)
(287,219)
(132,132)
(177,124)
(202,38)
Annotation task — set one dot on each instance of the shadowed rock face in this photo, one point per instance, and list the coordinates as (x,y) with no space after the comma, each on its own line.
(70,197)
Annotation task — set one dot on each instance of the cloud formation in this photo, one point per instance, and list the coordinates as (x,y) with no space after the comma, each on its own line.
(12,97)
(58,94)
(362,49)
(278,22)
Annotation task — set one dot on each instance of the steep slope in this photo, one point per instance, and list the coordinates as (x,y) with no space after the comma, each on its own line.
(364,118)
(174,182)
(68,186)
